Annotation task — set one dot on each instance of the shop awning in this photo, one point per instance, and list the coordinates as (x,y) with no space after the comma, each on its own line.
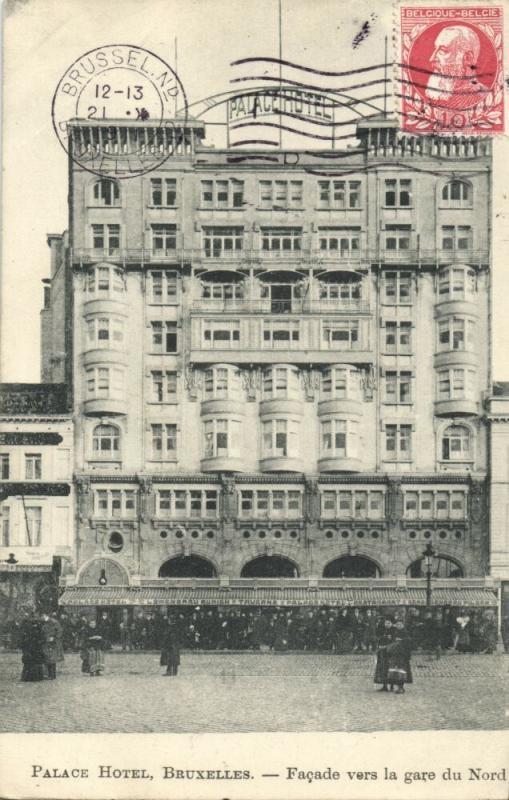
(273,596)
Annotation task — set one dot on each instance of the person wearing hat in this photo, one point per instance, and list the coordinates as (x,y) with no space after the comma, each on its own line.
(170,648)
(52,644)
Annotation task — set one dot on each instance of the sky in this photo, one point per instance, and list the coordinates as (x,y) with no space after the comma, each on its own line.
(42,38)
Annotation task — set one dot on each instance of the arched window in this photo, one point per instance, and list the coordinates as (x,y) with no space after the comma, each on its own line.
(187,567)
(270,567)
(443,567)
(456,443)
(351,567)
(457,194)
(106,193)
(106,440)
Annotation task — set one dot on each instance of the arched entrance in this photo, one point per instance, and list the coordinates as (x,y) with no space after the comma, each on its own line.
(270,567)
(187,567)
(443,567)
(352,567)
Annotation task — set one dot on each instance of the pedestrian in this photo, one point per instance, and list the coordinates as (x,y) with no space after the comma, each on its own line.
(52,644)
(358,627)
(398,653)
(32,658)
(170,648)
(92,650)
(385,638)
(370,632)
(462,635)
(105,630)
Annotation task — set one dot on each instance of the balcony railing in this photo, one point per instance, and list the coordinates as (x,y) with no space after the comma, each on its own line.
(311,257)
(267,306)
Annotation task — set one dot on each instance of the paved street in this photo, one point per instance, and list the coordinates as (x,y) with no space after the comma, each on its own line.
(225,692)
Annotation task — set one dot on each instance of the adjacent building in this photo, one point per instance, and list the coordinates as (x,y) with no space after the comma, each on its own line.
(36,498)
(278,363)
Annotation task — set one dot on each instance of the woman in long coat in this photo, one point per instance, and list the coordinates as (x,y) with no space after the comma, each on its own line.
(385,638)
(92,650)
(170,649)
(52,644)
(398,659)
(32,651)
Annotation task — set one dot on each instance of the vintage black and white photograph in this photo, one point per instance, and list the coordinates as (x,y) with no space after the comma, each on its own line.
(254,409)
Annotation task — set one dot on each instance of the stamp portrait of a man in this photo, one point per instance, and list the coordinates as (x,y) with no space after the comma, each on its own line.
(454,64)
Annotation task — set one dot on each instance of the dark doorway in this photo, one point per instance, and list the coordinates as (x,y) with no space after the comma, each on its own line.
(187,567)
(351,567)
(270,567)
(280,298)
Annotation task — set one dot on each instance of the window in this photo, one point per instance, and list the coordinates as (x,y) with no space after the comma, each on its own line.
(185,503)
(279,382)
(455,383)
(105,331)
(5,466)
(163,287)
(106,238)
(398,192)
(223,334)
(456,334)
(340,293)
(164,337)
(338,438)
(105,281)
(222,438)
(164,386)
(277,240)
(398,442)
(281,194)
(222,242)
(106,193)
(456,444)
(280,504)
(456,283)
(280,438)
(280,333)
(164,238)
(163,191)
(397,237)
(5,523)
(457,505)
(164,441)
(347,505)
(106,441)
(456,237)
(339,241)
(457,194)
(398,337)
(33,466)
(411,505)
(114,502)
(33,522)
(223,291)
(340,334)
(397,288)
(221,383)
(339,194)
(398,387)
(104,382)
(222,194)
(339,383)
(115,542)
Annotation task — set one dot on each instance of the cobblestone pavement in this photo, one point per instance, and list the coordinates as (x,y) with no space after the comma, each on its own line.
(242,692)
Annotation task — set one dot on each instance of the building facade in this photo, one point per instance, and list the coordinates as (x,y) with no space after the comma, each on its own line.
(278,362)
(36,499)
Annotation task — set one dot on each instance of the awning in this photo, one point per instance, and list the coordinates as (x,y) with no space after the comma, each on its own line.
(273,596)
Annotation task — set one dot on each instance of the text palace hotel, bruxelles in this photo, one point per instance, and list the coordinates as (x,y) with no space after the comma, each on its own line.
(278,377)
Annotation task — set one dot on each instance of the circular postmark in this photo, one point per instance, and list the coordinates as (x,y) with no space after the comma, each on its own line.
(114,111)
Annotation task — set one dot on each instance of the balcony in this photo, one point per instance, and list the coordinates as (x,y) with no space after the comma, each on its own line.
(306,256)
(339,464)
(459,407)
(104,406)
(268,306)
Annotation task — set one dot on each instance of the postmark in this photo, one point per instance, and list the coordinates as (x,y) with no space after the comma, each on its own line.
(122,85)
(451,70)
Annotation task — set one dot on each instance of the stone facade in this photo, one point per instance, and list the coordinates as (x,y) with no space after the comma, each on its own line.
(281,358)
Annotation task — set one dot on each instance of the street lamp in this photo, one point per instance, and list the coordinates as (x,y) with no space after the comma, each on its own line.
(428,556)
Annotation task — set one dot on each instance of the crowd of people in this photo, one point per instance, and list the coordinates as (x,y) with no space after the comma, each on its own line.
(336,630)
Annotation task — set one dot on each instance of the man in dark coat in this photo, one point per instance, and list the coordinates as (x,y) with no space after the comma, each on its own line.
(170,648)
(385,638)
(32,650)
(52,644)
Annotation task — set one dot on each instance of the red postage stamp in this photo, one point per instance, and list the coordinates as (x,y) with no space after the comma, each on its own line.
(451,70)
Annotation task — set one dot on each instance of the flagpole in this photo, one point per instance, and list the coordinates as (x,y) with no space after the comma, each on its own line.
(176,73)
(385,79)
(280,74)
